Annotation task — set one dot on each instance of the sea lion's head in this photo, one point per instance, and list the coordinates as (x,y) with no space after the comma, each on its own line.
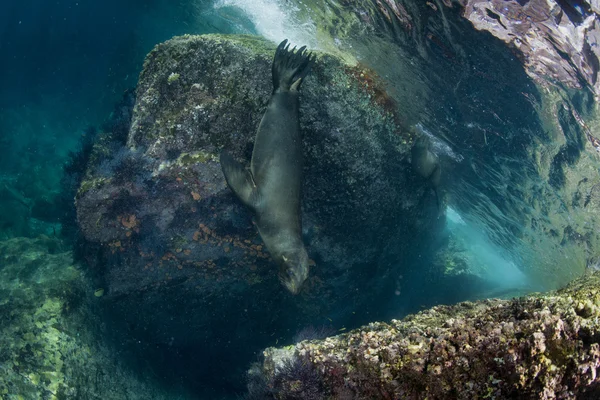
(293,269)
(424,161)
(420,149)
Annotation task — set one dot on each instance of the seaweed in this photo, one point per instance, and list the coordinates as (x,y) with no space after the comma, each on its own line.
(115,131)
(295,379)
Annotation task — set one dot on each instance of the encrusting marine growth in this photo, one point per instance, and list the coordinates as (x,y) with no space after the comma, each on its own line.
(534,347)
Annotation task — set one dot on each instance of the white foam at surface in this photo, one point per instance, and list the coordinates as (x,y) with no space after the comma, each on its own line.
(275,21)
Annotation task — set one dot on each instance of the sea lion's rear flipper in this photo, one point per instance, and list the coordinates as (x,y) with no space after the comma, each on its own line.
(436,176)
(438,201)
(435,183)
(239,180)
(290,67)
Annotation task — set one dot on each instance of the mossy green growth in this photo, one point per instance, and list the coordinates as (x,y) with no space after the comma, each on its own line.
(179,241)
(179,47)
(50,339)
(255,44)
(174,77)
(32,333)
(187,159)
(100,150)
(90,184)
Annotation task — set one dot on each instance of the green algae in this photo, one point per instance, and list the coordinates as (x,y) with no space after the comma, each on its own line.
(187,159)
(174,77)
(51,344)
(93,183)
(183,56)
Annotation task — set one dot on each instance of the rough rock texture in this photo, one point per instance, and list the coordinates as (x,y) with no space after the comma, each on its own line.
(51,341)
(178,251)
(559,40)
(535,347)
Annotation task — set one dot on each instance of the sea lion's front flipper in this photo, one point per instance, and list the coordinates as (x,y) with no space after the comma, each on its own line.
(290,67)
(239,180)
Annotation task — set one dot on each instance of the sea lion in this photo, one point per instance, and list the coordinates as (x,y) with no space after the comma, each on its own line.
(427,164)
(272,186)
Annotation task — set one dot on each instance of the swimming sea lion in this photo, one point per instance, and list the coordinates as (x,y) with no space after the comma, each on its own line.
(272,185)
(427,164)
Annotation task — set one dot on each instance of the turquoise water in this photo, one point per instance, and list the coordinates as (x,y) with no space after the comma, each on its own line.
(511,221)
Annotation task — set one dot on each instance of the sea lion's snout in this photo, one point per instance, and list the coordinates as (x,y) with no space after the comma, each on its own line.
(293,270)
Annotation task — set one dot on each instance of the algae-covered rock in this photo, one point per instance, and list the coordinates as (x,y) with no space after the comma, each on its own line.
(534,347)
(51,344)
(177,249)
(558,40)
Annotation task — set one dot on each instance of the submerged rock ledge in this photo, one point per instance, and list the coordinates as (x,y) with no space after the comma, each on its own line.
(542,347)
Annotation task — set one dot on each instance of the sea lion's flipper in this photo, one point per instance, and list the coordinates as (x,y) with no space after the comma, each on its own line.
(434,179)
(290,67)
(18,196)
(437,198)
(239,180)
(436,176)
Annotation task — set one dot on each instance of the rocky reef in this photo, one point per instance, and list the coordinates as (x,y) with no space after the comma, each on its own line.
(52,341)
(533,347)
(175,250)
(558,40)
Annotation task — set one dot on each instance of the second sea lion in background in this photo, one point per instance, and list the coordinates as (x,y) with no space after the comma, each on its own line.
(272,185)
(427,164)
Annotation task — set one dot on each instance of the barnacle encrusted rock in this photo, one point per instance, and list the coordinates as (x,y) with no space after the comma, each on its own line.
(534,347)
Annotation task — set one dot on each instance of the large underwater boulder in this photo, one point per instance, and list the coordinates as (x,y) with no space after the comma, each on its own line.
(534,347)
(176,251)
